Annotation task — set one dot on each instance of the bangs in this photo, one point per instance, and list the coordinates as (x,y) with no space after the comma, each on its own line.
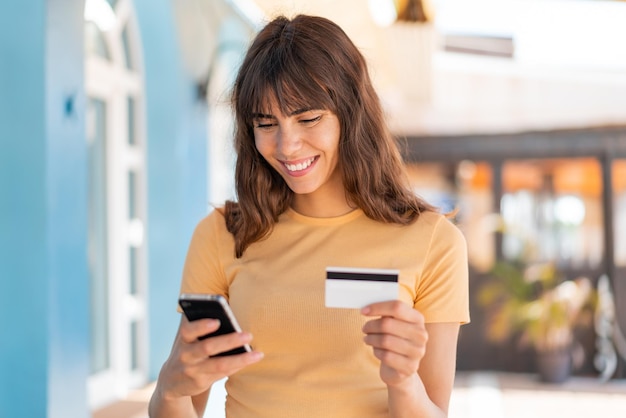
(286,81)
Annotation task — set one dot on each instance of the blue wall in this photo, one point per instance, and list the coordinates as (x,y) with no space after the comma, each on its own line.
(43,274)
(66,175)
(23,239)
(176,169)
(44,313)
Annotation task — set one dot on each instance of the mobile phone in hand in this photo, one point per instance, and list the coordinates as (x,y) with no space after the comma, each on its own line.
(201,306)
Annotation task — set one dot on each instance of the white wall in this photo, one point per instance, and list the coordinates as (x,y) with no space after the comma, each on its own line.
(568,69)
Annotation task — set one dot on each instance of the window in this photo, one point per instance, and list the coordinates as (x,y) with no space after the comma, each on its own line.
(221,155)
(97,234)
(117,202)
(619,211)
(476,217)
(552,211)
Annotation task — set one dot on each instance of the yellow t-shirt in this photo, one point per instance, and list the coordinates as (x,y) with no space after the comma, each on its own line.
(316,363)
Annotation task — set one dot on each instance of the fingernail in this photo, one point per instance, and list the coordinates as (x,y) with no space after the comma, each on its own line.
(257,355)
(366,310)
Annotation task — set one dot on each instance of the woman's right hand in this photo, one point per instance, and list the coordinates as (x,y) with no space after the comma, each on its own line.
(190,370)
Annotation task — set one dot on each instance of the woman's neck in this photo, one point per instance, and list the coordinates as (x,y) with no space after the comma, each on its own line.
(317,206)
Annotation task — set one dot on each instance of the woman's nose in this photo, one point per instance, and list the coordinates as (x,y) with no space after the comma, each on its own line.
(289,141)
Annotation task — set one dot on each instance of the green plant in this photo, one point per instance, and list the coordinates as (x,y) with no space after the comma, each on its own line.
(537,302)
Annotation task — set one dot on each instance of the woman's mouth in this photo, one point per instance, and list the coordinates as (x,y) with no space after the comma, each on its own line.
(299,166)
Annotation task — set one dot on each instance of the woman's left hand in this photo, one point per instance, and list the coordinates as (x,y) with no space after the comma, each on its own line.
(398,337)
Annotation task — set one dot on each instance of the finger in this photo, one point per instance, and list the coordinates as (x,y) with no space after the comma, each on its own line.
(215,345)
(386,325)
(391,325)
(211,369)
(392,360)
(389,343)
(393,308)
(228,365)
(395,363)
(190,331)
(392,344)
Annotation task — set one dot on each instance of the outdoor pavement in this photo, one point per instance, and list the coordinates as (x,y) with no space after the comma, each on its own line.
(475,395)
(513,395)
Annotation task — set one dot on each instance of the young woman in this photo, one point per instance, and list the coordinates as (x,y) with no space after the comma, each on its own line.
(320,183)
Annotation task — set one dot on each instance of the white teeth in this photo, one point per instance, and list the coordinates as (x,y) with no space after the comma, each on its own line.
(300,166)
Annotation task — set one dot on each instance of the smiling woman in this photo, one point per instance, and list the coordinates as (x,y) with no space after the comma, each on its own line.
(320,183)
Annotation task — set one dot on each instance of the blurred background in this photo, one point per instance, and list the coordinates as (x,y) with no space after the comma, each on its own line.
(115,136)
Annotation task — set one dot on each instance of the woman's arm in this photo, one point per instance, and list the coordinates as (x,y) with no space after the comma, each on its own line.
(186,377)
(434,381)
(418,360)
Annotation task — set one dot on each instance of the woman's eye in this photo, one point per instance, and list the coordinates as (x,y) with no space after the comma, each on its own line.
(267,125)
(312,120)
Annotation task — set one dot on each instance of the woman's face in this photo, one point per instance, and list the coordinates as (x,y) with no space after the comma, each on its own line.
(303,147)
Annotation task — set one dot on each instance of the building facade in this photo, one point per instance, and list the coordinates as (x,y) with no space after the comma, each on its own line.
(104,172)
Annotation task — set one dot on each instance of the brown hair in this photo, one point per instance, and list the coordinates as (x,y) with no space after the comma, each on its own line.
(309,62)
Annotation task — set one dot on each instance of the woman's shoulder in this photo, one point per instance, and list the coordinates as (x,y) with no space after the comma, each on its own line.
(216,213)
(211,232)
(213,222)
(431,218)
(440,225)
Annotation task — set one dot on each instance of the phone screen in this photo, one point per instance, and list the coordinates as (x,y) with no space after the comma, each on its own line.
(212,306)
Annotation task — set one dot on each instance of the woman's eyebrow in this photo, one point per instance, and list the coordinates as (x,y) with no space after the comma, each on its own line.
(262,116)
(268,116)
(300,111)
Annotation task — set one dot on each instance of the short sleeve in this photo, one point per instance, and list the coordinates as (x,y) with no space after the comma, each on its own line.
(443,289)
(203,271)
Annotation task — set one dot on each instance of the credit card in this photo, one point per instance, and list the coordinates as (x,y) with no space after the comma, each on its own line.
(348,287)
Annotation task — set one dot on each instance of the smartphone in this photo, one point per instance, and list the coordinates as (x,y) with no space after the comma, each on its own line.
(200,306)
